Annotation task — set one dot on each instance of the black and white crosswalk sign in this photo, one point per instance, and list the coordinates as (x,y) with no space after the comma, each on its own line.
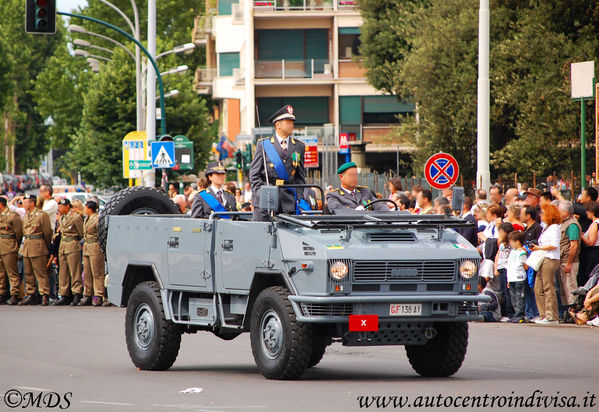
(163,155)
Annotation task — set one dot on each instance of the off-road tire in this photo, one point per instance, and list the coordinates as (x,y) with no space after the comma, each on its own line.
(134,200)
(163,349)
(297,337)
(441,356)
(319,347)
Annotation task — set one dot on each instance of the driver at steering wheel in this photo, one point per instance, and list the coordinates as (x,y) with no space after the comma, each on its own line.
(350,195)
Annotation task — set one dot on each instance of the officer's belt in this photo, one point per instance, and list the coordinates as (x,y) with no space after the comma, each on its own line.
(68,239)
(91,241)
(33,237)
(8,237)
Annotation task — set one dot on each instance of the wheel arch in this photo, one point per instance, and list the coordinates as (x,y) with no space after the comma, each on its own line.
(261,281)
(135,274)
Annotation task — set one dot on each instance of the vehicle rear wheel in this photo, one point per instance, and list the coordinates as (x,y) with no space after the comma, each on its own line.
(152,340)
(137,200)
(442,355)
(282,346)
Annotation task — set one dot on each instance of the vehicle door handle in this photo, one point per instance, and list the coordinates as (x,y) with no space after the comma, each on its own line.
(227,245)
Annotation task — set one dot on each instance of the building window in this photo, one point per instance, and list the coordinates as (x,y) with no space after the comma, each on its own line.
(294,45)
(224,7)
(349,42)
(385,109)
(227,62)
(308,111)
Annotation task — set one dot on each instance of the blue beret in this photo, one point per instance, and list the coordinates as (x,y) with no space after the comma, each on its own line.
(345,166)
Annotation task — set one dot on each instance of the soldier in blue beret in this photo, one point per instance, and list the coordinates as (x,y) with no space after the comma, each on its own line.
(279,160)
(349,195)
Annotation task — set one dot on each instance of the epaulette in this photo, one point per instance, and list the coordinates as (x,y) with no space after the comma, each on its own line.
(231,193)
(297,140)
(263,138)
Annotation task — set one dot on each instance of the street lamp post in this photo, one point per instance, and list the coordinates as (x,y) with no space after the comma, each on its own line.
(483,174)
(85,43)
(83,53)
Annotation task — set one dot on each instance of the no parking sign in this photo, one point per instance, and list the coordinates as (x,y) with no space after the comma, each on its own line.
(441,171)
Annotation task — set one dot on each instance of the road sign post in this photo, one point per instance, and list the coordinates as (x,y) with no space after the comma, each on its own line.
(135,149)
(441,171)
(582,78)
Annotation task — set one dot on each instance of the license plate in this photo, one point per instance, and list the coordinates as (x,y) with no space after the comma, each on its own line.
(405,309)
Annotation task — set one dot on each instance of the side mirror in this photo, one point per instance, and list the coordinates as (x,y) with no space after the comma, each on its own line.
(269,198)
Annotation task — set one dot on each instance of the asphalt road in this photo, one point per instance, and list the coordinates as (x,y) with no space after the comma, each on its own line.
(83,351)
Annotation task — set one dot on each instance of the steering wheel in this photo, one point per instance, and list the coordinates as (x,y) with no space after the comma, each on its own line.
(381,200)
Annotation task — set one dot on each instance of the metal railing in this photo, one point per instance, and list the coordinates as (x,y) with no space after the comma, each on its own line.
(288,69)
(202,28)
(304,5)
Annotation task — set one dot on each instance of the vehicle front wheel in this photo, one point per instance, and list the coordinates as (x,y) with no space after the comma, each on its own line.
(152,340)
(442,355)
(282,346)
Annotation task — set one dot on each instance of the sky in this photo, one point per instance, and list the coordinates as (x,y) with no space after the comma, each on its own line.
(69,5)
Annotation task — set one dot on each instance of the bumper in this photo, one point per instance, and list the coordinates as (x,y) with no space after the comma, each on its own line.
(435,308)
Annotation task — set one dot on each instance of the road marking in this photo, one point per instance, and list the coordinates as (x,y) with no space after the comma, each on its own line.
(29,388)
(108,403)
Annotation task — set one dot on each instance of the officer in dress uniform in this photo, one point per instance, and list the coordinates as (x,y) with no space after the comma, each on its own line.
(93,258)
(69,254)
(38,234)
(350,195)
(11,234)
(284,165)
(215,198)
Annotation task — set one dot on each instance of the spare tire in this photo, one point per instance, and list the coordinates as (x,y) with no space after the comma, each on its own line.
(137,200)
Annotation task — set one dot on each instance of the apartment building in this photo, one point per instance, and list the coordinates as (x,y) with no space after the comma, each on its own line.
(261,55)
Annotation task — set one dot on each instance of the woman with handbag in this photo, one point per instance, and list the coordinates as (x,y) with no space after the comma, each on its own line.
(549,244)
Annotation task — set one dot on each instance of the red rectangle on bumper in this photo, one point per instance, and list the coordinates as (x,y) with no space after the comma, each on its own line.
(363,323)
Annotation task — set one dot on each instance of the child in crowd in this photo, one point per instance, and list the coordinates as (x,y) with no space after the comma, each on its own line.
(489,310)
(516,274)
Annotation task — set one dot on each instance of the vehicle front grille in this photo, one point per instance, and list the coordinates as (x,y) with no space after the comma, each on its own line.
(317,309)
(467,309)
(391,237)
(404,270)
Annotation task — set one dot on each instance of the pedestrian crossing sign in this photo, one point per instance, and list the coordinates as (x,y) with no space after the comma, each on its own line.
(163,155)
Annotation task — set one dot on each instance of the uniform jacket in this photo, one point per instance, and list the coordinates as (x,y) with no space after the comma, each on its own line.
(11,232)
(340,199)
(91,247)
(201,209)
(293,162)
(38,233)
(71,233)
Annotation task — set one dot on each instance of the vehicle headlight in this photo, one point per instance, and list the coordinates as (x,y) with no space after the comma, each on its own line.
(338,270)
(467,269)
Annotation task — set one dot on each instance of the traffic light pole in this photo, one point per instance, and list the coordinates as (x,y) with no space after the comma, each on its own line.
(146,52)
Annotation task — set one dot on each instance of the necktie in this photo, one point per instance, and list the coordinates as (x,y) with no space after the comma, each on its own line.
(284,145)
(219,196)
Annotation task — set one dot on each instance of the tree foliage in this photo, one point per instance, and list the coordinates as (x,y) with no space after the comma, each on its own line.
(429,51)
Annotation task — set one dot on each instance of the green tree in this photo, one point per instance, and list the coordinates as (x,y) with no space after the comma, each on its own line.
(26,133)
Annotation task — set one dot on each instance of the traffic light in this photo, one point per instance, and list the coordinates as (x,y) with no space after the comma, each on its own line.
(40,16)
(238,159)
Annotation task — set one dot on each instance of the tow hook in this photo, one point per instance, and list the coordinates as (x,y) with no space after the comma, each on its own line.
(430,332)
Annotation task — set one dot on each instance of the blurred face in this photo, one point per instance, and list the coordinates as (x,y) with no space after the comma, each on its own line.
(284,127)
(532,200)
(590,215)
(584,197)
(349,178)
(495,195)
(563,214)
(44,193)
(63,209)
(422,201)
(218,179)
(524,216)
(514,244)
(28,204)
(88,211)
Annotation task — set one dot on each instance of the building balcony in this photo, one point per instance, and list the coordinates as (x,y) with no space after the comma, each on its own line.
(265,6)
(202,29)
(351,69)
(203,80)
(238,77)
(294,69)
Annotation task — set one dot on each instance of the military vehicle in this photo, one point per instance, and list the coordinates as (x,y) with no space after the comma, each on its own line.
(295,283)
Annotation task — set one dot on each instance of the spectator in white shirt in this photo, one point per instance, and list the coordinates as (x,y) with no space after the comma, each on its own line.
(549,243)
(50,206)
(19,209)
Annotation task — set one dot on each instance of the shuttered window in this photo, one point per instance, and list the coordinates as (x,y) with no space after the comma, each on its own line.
(227,62)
